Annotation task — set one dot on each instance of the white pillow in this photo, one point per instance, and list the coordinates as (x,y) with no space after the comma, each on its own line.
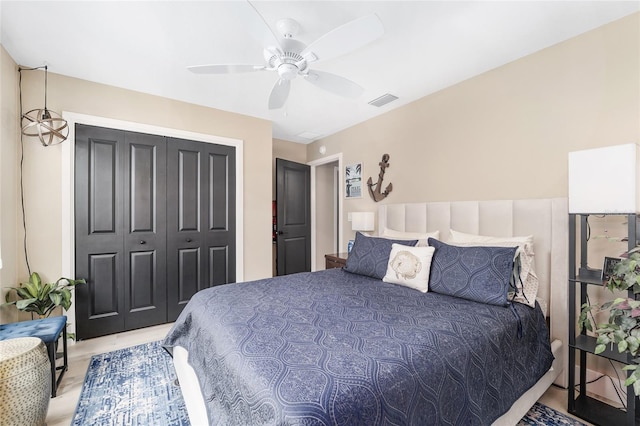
(527,285)
(409,266)
(422,237)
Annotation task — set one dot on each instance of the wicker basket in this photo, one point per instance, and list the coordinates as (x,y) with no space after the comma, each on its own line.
(25,381)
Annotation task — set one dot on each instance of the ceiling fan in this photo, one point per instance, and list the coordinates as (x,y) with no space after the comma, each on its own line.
(291,58)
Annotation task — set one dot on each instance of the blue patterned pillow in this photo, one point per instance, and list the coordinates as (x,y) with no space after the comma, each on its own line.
(477,273)
(370,256)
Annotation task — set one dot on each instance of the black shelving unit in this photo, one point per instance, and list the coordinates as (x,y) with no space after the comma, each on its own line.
(581,280)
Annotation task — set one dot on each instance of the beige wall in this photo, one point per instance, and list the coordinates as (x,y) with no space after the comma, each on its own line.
(325,212)
(42,170)
(506,133)
(9,151)
(291,151)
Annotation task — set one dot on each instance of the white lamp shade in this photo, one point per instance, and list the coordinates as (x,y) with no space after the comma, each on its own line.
(604,180)
(362,221)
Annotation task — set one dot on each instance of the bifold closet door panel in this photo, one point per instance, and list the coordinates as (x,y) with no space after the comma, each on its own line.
(200,219)
(220,235)
(99,231)
(145,234)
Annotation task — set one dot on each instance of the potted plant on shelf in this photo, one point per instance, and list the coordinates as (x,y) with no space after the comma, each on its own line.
(623,326)
(42,298)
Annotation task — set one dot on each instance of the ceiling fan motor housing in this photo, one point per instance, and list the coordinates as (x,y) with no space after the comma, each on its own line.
(288,63)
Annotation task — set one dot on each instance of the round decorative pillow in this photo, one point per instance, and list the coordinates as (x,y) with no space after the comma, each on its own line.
(25,381)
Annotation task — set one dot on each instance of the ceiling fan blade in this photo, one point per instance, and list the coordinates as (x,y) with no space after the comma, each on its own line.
(345,38)
(256,26)
(279,94)
(224,69)
(334,84)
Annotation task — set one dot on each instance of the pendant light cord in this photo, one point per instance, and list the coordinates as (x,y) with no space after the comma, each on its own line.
(45,87)
(24,216)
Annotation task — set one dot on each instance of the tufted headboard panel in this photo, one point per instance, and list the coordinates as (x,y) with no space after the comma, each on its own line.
(545,219)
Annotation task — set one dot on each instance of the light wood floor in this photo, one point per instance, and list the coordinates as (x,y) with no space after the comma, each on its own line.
(62,407)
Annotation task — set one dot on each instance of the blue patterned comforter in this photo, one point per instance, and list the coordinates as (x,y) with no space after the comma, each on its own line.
(335,348)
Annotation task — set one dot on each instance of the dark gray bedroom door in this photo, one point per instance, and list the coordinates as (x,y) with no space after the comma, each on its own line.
(155,222)
(201,219)
(293,205)
(120,196)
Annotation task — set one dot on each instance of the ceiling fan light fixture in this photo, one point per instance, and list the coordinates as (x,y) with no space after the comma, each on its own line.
(287,71)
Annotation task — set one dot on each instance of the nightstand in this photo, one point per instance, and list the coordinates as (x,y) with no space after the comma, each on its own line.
(335,260)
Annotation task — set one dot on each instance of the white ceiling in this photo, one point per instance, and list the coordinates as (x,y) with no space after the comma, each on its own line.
(427,46)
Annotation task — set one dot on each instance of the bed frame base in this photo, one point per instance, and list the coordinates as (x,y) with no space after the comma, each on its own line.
(190,387)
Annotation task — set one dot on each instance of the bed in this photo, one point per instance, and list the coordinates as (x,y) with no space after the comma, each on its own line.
(334,347)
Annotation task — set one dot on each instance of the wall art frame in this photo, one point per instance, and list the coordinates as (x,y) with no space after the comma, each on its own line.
(353,180)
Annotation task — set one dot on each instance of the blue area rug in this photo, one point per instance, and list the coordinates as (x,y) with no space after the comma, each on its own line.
(540,414)
(132,386)
(136,386)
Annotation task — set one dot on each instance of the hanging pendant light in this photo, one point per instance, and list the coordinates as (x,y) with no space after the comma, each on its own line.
(47,125)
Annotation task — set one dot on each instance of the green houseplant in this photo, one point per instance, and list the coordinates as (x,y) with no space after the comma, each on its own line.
(623,326)
(42,298)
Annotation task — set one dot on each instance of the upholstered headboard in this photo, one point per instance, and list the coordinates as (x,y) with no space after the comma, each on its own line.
(545,219)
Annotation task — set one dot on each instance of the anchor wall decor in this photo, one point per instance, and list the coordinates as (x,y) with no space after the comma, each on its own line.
(376,194)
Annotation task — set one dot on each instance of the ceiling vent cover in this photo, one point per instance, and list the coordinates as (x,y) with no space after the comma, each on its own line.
(383,100)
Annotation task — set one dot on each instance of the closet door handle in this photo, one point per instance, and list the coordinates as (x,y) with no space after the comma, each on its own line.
(143,242)
(189,240)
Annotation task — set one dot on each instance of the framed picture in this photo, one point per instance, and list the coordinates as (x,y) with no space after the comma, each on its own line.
(353,180)
(607,268)
(350,246)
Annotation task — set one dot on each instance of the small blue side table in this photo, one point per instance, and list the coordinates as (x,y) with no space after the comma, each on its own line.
(48,330)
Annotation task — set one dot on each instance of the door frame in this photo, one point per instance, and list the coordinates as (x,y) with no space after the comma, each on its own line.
(313,164)
(68,173)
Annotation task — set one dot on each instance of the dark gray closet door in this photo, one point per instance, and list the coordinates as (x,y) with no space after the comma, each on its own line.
(145,235)
(120,214)
(201,219)
(99,228)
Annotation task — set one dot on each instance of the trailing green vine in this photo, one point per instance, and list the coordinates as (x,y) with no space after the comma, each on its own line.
(623,327)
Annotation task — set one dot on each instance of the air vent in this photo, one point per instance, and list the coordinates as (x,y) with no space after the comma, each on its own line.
(383,100)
